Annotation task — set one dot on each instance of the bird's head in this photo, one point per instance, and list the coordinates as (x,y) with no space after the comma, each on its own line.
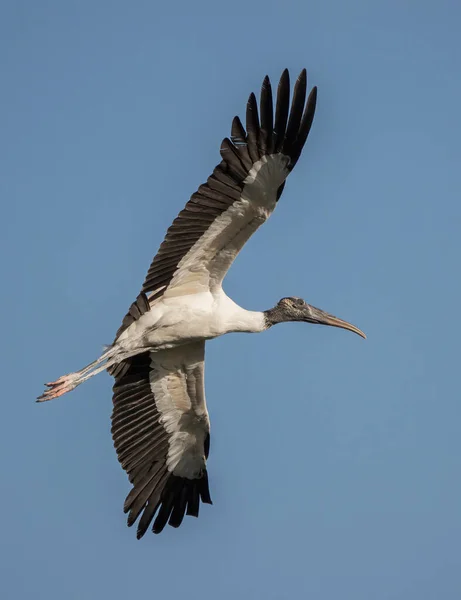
(296,309)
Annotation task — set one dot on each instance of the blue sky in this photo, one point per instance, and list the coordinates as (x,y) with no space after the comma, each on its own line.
(335,462)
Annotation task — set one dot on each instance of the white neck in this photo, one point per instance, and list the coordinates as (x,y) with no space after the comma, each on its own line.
(235,318)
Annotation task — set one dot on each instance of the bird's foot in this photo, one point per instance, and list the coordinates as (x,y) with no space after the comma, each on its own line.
(57,388)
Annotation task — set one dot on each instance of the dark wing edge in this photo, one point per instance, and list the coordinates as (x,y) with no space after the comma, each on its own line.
(142,444)
(285,132)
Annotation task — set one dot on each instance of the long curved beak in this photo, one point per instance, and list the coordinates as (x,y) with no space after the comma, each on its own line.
(323,318)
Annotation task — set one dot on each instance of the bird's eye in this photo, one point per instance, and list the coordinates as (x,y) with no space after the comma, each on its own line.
(299,302)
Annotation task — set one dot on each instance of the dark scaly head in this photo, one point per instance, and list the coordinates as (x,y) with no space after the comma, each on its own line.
(296,309)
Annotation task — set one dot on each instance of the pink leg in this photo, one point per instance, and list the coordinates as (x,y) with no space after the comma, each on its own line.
(61,386)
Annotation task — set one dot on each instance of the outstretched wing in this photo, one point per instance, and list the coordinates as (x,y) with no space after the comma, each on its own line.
(161,433)
(238,197)
(242,192)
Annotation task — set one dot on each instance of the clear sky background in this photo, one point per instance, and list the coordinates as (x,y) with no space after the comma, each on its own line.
(335,462)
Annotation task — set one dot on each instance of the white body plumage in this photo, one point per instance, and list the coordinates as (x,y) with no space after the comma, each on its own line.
(178,320)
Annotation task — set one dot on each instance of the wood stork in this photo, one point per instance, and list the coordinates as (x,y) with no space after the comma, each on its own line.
(160,424)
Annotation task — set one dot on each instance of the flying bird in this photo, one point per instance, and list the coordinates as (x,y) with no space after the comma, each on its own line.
(160,424)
